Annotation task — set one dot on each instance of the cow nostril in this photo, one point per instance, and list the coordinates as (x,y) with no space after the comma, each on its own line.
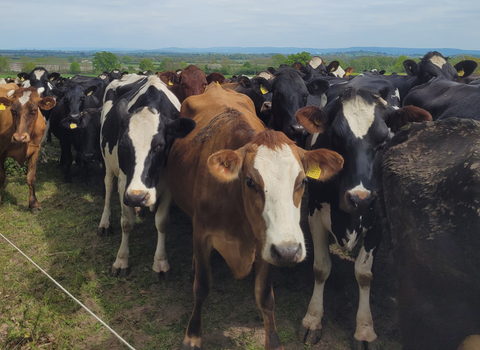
(286,254)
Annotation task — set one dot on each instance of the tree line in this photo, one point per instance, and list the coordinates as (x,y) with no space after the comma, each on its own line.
(232,64)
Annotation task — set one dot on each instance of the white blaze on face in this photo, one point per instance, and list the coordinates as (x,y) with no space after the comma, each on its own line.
(25,97)
(339,72)
(142,128)
(315,62)
(279,169)
(359,114)
(38,74)
(438,61)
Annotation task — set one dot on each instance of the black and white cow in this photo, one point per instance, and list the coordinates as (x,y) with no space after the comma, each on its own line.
(38,78)
(140,121)
(356,125)
(430,196)
(445,99)
(65,119)
(433,64)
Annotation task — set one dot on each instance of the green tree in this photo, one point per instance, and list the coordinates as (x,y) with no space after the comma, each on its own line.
(145,64)
(278,59)
(29,67)
(4,66)
(167,65)
(302,57)
(126,60)
(105,61)
(398,67)
(75,68)
(247,64)
(71,58)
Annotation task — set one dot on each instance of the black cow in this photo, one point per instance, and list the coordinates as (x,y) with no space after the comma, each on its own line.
(356,125)
(433,64)
(140,121)
(430,195)
(65,119)
(38,78)
(446,99)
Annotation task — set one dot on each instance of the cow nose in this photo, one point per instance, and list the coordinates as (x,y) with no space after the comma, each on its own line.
(88,156)
(20,138)
(297,130)
(135,198)
(286,254)
(358,202)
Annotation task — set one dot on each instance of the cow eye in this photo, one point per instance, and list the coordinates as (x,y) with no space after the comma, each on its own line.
(250,182)
(158,148)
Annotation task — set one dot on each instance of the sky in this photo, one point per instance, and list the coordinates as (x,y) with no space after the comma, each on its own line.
(156,24)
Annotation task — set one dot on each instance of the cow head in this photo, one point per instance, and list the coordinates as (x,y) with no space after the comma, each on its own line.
(434,64)
(39,78)
(24,105)
(356,125)
(74,101)
(272,173)
(145,138)
(89,128)
(189,81)
(289,94)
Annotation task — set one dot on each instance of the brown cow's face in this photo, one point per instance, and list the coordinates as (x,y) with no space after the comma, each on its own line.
(24,108)
(192,82)
(273,181)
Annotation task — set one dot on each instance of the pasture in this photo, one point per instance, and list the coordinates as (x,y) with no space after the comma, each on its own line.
(63,240)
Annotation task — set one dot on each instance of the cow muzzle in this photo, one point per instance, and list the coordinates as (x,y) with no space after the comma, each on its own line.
(20,137)
(357,201)
(286,254)
(136,198)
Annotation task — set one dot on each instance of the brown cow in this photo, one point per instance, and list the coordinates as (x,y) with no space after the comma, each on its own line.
(242,187)
(21,130)
(189,81)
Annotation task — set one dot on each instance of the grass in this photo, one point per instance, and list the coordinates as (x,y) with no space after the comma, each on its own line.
(63,240)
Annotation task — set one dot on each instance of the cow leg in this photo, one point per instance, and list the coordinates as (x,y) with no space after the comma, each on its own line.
(31,173)
(310,330)
(120,266)
(66,158)
(3,176)
(363,273)
(104,226)
(160,264)
(202,284)
(266,303)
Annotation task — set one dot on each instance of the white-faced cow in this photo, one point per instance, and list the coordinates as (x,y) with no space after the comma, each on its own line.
(242,187)
(139,124)
(21,130)
(430,196)
(356,125)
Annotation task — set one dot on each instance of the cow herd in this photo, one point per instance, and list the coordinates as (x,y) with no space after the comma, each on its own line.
(393,158)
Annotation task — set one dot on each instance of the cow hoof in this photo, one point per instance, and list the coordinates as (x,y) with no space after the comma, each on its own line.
(104,231)
(365,345)
(308,336)
(35,211)
(162,275)
(120,273)
(189,346)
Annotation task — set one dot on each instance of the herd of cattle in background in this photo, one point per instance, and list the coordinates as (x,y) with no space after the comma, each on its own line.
(236,155)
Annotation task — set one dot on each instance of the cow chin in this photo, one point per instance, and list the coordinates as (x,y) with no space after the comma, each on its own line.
(284,252)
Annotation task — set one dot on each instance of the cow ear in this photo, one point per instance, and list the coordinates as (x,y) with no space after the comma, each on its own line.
(47,103)
(411,67)
(320,164)
(312,118)
(91,90)
(317,86)
(218,78)
(23,76)
(397,118)
(181,127)
(244,81)
(465,68)
(169,78)
(333,66)
(5,102)
(53,76)
(260,85)
(225,165)
(349,71)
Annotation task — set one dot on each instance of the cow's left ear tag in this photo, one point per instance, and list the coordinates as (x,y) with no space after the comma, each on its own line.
(170,83)
(263,90)
(22,79)
(314,172)
(461,73)
(2,107)
(218,83)
(73,126)
(91,92)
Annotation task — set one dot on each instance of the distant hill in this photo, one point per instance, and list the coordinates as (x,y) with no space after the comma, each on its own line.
(387,51)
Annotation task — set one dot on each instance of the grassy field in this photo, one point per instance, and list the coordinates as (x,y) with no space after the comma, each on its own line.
(63,240)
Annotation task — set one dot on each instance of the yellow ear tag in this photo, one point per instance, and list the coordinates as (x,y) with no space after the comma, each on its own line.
(73,126)
(170,83)
(2,107)
(461,73)
(226,164)
(317,122)
(347,74)
(263,90)
(52,78)
(218,83)
(22,79)
(332,69)
(47,103)
(91,92)
(314,172)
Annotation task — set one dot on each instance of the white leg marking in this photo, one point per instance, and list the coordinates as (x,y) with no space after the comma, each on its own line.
(363,274)
(160,263)
(322,266)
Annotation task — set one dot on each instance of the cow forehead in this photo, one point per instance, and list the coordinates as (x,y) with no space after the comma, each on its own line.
(143,126)
(438,61)
(315,62)
(276,166)
(24,97)
(359,115)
